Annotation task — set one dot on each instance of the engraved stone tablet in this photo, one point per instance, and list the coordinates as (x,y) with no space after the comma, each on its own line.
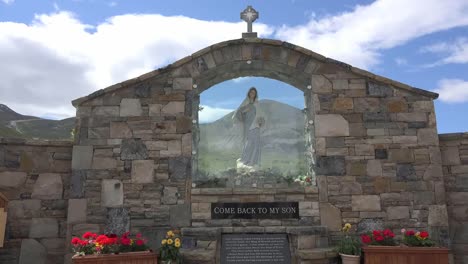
(255,248)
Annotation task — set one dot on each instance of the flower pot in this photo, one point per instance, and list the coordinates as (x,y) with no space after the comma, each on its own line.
(144,257)
(405,255)
(350,259)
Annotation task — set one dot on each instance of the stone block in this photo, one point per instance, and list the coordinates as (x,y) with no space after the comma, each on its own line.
(44,227)
(350,188)
(397,105)
(170,195)
(379,90)
(82,157)
(155,109)
(104,163)
(357,168)
(118,221)
(424,198)
(401,155)
(411,117)
(105,111)
(342,104)
(183,125)
(130,107)
(331,125)
(438,215)
(143,171)
(340,84)
(77,211)
(321,85)
(398,212)
(48,186)
(364,149)
(24,208)
(330,216)
(375,117)
(381,154)
(10,179)
(450,156)
(32,252)
(173,108)
(111,193)
(428,136)
(179,168)
(433,171)
(367,105)
(367,203)
(79,229)
(77,181)
(405,172)
(180,215)
(187,145)
(331,166)
(120,130)
(369,225)
(374,168)
(182,84)
(458,198)
(133,149)
(459,169)
(306,241)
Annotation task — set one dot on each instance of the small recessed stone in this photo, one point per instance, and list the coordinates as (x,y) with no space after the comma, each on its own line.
(194,152)
(194,121)
(195,86)
(309,87)
(249,62)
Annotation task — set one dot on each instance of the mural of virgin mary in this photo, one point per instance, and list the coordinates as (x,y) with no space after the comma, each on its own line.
(250,118)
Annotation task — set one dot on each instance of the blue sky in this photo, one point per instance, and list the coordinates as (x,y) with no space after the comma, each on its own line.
(54,51)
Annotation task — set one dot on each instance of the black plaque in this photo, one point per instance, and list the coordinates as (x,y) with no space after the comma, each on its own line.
(261,210)
(255,248)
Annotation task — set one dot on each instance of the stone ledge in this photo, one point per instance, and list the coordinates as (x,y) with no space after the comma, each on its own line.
(453,136)
(36,142)
(195,256)
(254,191)
(317,253)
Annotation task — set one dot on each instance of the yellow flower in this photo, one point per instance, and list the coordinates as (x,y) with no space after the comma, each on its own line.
(163,242)
(170,233)
(177,240)
(346,227)
(170,241)
(177,244)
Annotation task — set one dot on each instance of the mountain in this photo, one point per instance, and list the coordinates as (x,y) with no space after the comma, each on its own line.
(13,124)
(282,137)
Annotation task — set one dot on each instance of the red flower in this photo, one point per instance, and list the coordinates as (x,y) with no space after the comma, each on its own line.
(138,235)
(388,233)
(84,242)
(76,241)
(89,235)
(102,239)
(376,232)
(409,233)
(366,239)
(125,241)
(379,238)
(424,234)
(140,242)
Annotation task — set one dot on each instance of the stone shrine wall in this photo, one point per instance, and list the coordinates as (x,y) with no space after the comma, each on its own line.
(34,176)
(374,148)
(454,148)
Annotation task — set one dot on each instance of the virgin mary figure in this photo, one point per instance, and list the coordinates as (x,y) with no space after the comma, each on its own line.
(250,118)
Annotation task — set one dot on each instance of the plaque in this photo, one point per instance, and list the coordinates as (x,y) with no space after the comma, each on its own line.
(259,210)
(255,249)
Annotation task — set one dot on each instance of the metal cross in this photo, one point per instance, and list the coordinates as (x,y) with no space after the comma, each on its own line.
(249,15)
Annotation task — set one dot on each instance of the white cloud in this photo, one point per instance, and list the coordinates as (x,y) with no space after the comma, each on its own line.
(454,52)
(401,61)
(210,114)
(8,2)
(57,58)
(453,90)
(359,36)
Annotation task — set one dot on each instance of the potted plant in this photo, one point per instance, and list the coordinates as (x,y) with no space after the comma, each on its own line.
(169,252)
(416,248)
(349,247)
(92,248)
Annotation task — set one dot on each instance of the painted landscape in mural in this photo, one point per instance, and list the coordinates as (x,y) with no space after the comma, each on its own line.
(223,144)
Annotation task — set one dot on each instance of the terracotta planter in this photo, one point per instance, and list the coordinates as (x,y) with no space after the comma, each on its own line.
(145,257)
(405,255)
(350,259)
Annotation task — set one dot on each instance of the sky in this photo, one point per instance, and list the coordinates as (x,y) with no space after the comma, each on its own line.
(52,52)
